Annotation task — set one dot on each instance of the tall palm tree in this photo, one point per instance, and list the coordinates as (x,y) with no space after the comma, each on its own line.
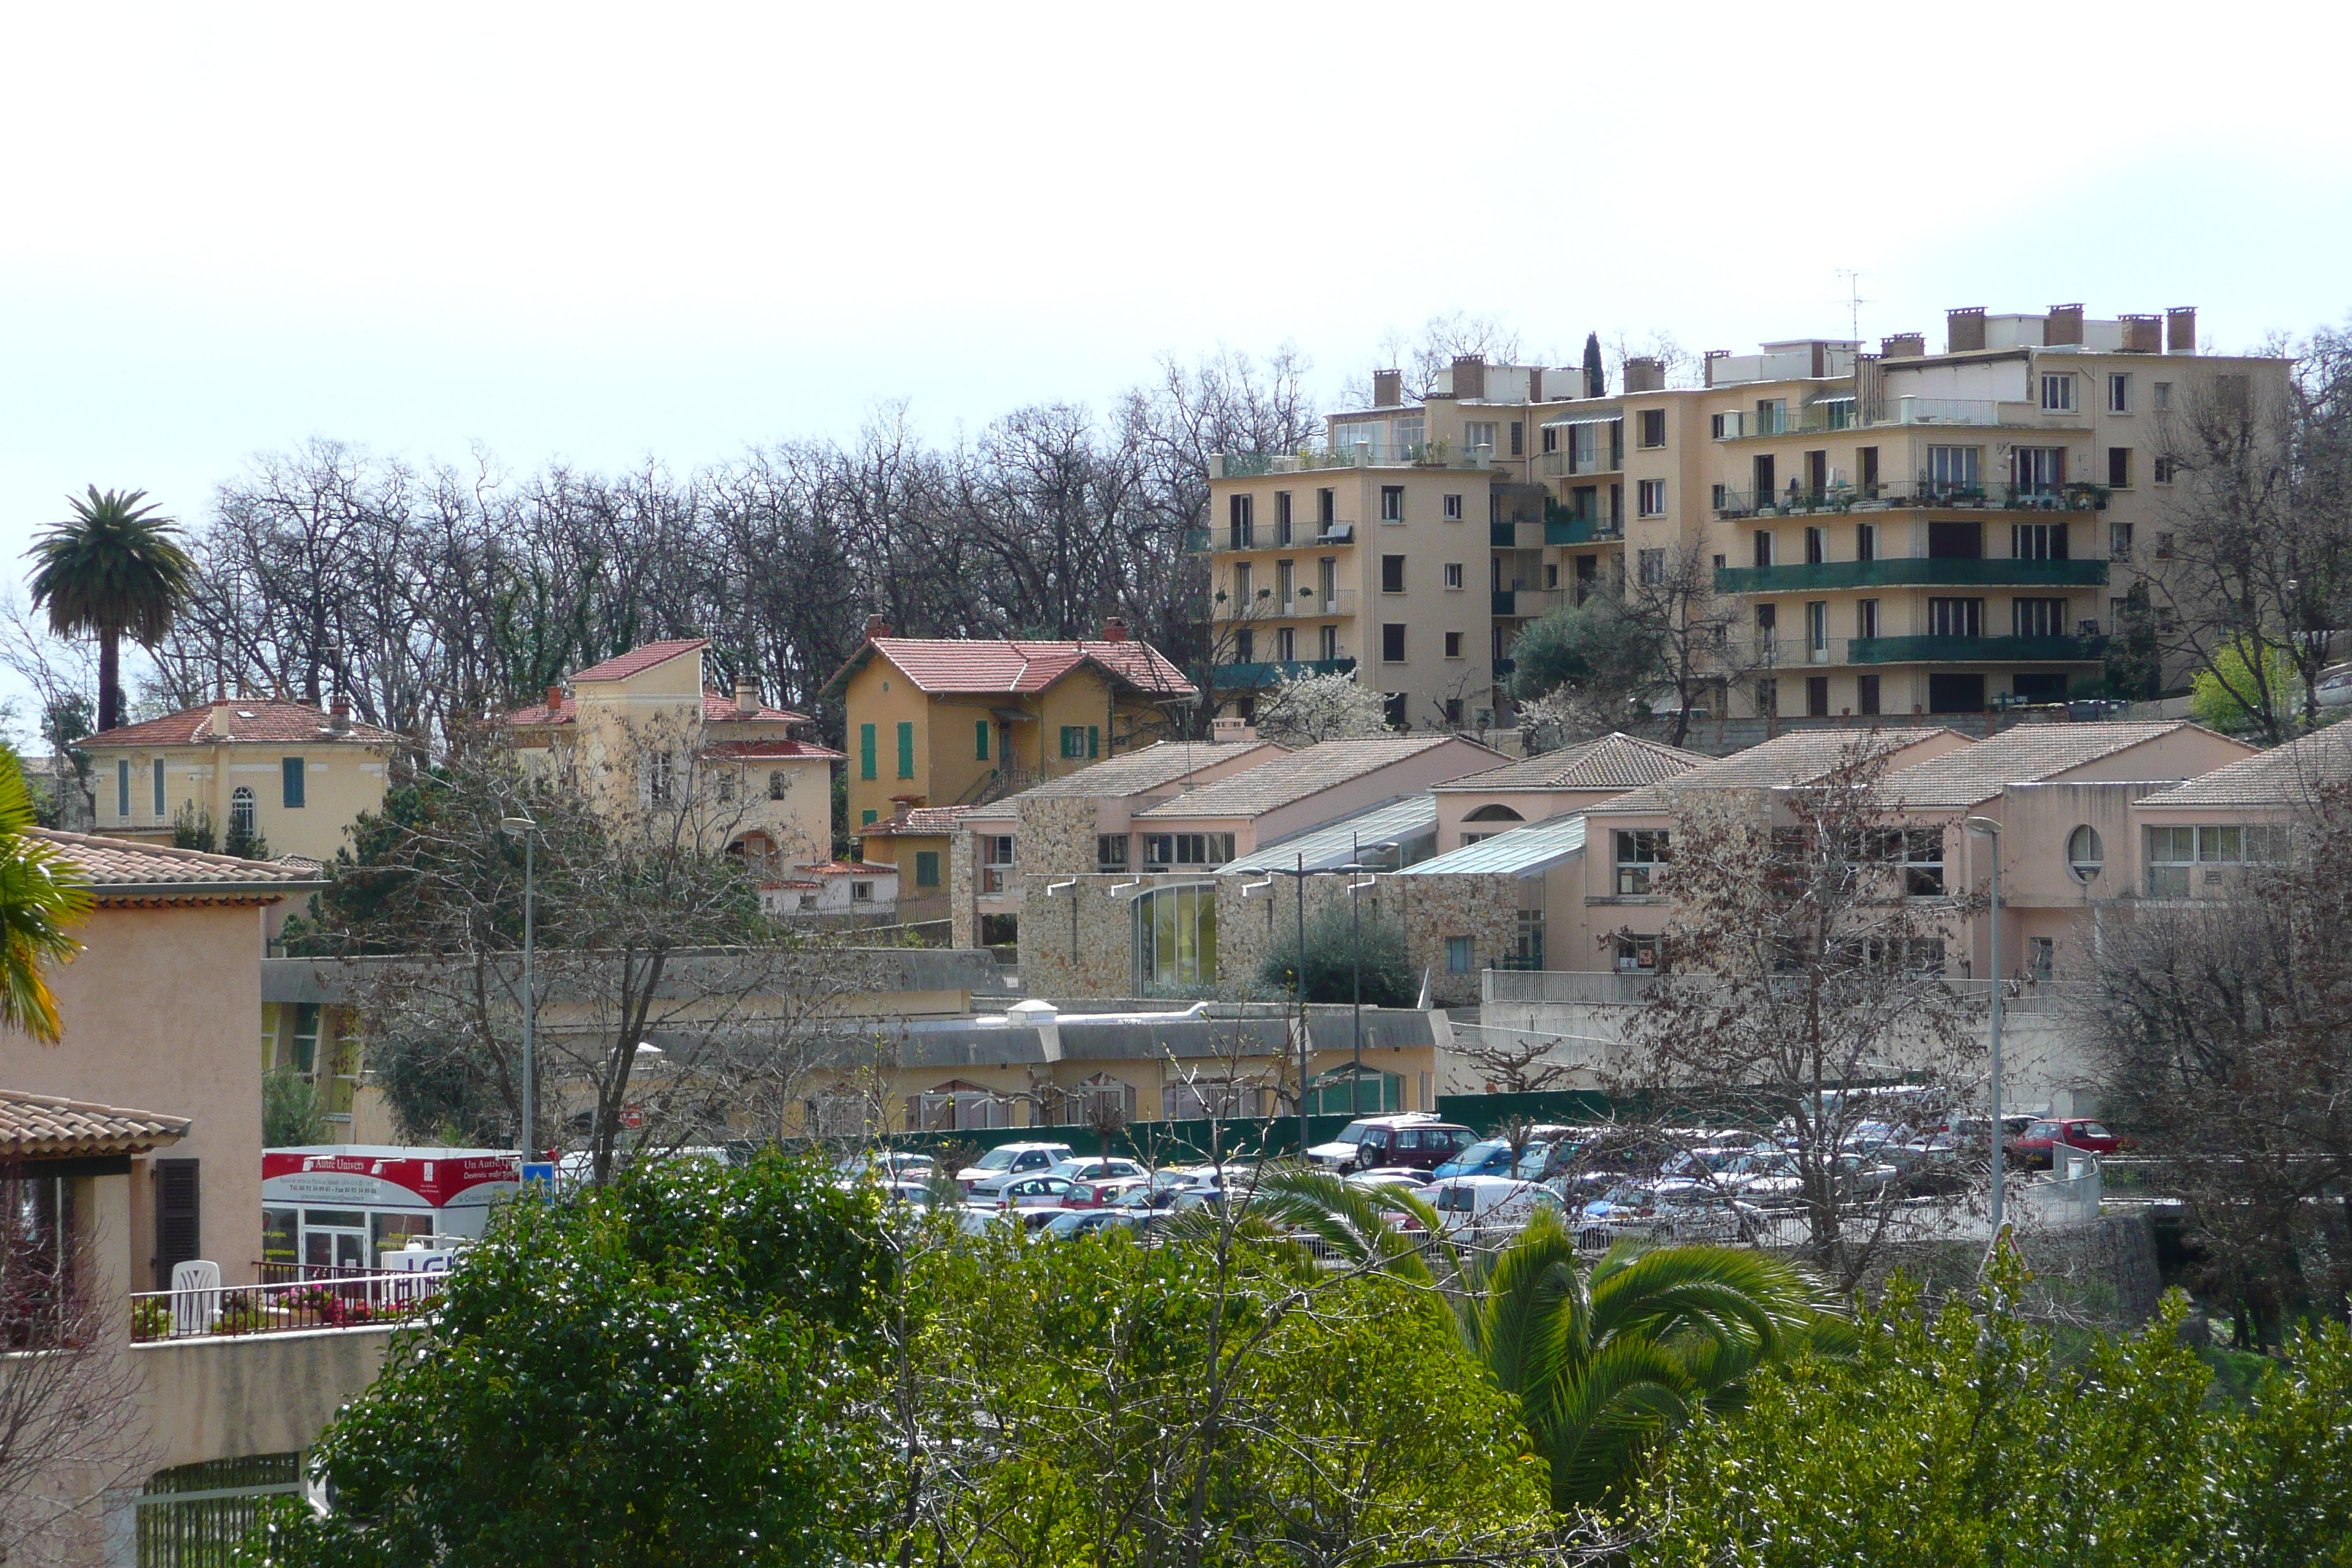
(40,896)
(1607,1364)
(113,568)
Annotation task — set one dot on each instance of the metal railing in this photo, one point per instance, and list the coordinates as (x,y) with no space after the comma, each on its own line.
(1259,675)
(1796,501)
(353,1299)
(1569,466)
(1828,414)
(1977,651)
(1527,602)
(1354,455)
(1898,570)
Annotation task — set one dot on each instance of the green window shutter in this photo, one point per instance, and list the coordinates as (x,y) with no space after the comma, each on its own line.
(906,751)
(867,819)
(1094,741)
(927,867)
(289,773)
(866,755)
(980,739)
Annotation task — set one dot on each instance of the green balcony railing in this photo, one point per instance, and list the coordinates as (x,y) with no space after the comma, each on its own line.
(1503,535)
(1258,676)
(1975,651)
(1564,527)
(1890,571)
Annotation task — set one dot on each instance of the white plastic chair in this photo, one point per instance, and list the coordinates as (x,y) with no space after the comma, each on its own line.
(195,1296)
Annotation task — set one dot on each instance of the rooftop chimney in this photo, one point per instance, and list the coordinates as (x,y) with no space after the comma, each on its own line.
(554,698)
(1644,374)
(1903,345)
(875,626)
(2064,325)
(2143,334)
(1228,730)
(1535,384)
(1114,629)
(747,694)
(2181,329)
(1470,375)
(1711,355)
(1964,329)
(339,715)
(1388,388)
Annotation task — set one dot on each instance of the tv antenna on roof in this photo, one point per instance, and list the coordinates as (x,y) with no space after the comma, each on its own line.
(1854,302)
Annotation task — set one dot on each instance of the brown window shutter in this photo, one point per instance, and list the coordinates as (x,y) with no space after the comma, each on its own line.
(179,1234)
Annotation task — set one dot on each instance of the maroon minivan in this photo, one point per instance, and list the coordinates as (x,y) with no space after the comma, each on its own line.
(1415,1141)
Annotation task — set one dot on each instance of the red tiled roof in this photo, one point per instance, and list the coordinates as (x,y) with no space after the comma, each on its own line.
(717,708)
(770,751)
(120,865)
(639,660)
(41,1126)
(1017,667)
(264,720)
(846,869)
(922,821)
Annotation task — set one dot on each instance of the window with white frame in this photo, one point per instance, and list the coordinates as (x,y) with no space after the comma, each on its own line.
(2058,394)
(1650,496)
(1953,467)
(2040,470)
(1651,567)
(1164,850)
(2188,862)
(1454,573)
(1453,508)
(2038,617)
(2161,397)
(1640,852)
(2118,393)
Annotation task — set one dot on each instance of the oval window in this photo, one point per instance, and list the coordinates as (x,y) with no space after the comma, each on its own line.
(2084,855)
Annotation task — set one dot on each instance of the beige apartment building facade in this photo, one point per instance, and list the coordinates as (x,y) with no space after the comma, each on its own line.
(1888,533)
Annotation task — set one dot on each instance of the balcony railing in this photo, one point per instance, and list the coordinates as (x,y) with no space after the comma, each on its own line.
(1563,527)
(1304,603)
(1900,571)
(1355,454)
(1849,413)
(1829,413)
(1525,604)
(1568,466)
(1977,651)
(1794,502)
(352,1300)
(1257,677)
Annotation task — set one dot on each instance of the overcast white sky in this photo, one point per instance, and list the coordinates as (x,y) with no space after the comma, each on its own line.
(599,232)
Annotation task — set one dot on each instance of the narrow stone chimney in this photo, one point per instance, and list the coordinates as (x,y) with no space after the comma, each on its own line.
(1644,374)
(1387,389)
(875,626)
(338,714)
(2181,329)
(1903,345)
(1114,629)
(554,699)
(1964,329)
(2062,326)
(747,694)
(1470,375)
(2143,334)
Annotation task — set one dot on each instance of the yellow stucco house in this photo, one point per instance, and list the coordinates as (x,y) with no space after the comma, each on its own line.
(295,776)
(935,722)
(643,730)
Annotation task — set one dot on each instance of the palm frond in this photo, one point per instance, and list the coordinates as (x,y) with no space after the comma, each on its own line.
(1632,1396)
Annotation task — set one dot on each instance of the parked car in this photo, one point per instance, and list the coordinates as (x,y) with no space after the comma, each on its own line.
(1387,1177)
(1071,1224)
(1475,1203)
(2333,687)
(975,1219)
(1414,1138)
(1013,1159)
(1018,1191)
(1094,1168)
(1100,1193)
(2035,1148)
(1487,1157)
(1672,1211)
(887,1164)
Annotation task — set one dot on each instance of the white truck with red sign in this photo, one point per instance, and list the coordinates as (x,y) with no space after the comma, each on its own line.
(332,1208)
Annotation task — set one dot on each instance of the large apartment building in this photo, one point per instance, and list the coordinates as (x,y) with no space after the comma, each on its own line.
(1896,532)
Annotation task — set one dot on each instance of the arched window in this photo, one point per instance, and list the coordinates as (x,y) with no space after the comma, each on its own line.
(240,812)
(1494,813)
(777,784)
(2085,855)
(1176,936)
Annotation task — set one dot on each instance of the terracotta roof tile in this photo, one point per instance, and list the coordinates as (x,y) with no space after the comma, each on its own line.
(1797,757)
(2282,777)
(770,751)
(846,869)
(1295,775)
(2029,753)
(1617,761)
(41,1126)
(117,864)
(639,660)
(1018,667)
(256,719)
(922,821)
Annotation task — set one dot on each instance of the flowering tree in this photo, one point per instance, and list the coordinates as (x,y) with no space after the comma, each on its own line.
(1307,709)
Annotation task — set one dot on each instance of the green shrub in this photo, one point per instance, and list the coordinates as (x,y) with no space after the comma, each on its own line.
(1332,945)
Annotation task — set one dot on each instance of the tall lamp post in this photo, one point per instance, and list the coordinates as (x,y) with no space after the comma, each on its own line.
(1298,875)
(524,829)
(1987,829)
(1356,953)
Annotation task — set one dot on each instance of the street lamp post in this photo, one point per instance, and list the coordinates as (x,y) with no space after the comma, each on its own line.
(1298,875)
(1988,829)
(1356,953)
(524,829)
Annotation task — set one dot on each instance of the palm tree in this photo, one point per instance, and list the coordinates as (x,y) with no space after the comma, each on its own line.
(40,896)
(1608,1363)
(115,567)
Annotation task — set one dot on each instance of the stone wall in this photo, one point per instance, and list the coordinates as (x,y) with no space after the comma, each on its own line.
(1079,942)
(963,879)
(1431,909)
(1057,835)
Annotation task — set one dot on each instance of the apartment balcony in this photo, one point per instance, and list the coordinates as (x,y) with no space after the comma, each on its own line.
(1977,651)
(1833,414)
(1527,603)
(1232,541)
(1258,677)
(1568,466)
(1910,571)
(1909,495)
(1565,528)
(1196,541)
(1356,455)
(1304,604)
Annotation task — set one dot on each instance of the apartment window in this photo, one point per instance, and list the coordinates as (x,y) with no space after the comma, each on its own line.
(1650,497)
(778,782)
(1240,527)
(1242,576)
(2162,395)
(2161,470)
(158,770)
(2038,617)
(1518,439)
(1392,642)
(1454,573)
(927,867)
(1865,542)
(1921,852)
(1715,426)
(1081,742)
(1817,697)
(861,892)
(1551,575)
(1245,645)
(1551,438)
(1110,851)
(2163,547)
(1768,696)
(1654,427)
(1617,442)
(1391,574)
(2119,467)
(1767,622)
(1461,955)
(1479,433)
(1817,625)
(1282,517)
(1866,459)
(660,777)
(1454,713)
(1453,645)
(906,750)
(1162,850)
(1817,546)
(2041,470)
(1453,508)
(1583,449)
(1763,547)
(865,752)
(1953,467)
(1640,852)
(2058,394)
(865,819)
(726,786)
(2120,540)
(1865,694)
(1330,641)
(1285,644)
(2118,394)
(2037,542)
(290,781)
(1718,497)
(241,823)
(2168,619)
(1865,618)
(1956,617)
(122,787)
(1651,567)
(1392,503)
(1286,584)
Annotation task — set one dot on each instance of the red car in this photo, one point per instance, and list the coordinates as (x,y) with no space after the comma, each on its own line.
(1100,1194)
(2033,1146)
